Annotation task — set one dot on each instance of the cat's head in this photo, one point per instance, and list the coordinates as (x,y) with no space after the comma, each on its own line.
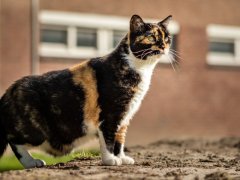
(149,39)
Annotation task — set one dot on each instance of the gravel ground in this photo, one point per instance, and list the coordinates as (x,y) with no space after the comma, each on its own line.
(165,159)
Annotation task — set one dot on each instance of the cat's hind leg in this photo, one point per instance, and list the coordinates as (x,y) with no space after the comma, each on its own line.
(25,158)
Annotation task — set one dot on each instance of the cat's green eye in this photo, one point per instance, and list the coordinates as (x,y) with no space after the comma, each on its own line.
(150,38)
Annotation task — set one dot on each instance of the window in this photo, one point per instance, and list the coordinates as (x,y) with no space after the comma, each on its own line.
(77,35)
(174,42)
(223,45)
(54,36)
(118,36)
(219,46)
(87,37)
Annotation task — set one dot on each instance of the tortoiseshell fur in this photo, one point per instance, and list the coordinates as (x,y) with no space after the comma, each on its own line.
(97,97)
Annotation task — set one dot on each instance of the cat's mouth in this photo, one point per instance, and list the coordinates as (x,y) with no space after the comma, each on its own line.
(160,51)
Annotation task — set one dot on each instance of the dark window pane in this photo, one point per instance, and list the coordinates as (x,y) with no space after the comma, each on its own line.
(174,42)
(87,37)
(54,36)
(117,37)
(225,47)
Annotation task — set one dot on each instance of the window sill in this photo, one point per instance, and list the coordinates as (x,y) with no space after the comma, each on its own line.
(74,53)
(223,60)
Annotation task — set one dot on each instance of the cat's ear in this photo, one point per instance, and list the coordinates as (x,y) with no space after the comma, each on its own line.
(136,23)
(166,21)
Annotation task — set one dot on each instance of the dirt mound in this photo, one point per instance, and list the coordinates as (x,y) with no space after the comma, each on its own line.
(165,159)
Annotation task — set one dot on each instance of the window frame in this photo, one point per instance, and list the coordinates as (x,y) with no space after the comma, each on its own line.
(104,25)
(221,33)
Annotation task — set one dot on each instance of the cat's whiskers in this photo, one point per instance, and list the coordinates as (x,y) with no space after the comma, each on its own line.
(176,56)
(170,60)
(172,57)
(175,53)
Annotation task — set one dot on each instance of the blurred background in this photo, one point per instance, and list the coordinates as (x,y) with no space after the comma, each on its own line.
(201,99)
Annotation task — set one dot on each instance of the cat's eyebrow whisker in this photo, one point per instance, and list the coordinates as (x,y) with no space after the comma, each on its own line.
(140,56)
(147,53)
(143,54)
(134,52)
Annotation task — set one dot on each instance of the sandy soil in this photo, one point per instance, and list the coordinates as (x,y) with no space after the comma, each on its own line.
(165,159)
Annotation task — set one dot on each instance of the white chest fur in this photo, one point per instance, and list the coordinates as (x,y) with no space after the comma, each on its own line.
(145,70)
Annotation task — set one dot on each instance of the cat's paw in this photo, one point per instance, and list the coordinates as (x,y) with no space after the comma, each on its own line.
(127,160)
(112,161)
(34,163)
(39,163)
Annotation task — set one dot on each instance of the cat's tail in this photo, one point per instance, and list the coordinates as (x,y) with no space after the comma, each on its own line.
(3,137)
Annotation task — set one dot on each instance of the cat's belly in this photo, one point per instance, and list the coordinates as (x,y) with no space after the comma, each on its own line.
(67,148)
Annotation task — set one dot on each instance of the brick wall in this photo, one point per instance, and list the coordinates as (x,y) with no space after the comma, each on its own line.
(15,40)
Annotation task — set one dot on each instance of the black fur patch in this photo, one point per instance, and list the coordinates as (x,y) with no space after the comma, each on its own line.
(116,81)
(47,107)
(117,148)
(14,148)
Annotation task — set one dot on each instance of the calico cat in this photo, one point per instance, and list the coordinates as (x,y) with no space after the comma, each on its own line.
(57,110)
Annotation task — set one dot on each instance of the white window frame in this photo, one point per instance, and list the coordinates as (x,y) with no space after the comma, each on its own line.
(222,33)
(105,25)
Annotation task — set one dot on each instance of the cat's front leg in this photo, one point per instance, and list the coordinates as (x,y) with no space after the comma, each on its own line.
(119,146)
(106,138)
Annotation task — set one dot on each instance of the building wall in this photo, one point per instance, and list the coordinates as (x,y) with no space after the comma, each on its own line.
(15,40)
(198,100)
(0,46)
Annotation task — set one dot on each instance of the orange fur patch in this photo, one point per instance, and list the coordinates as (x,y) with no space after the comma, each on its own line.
(140,38)
(84,76)
(163,37)
(121,134)
(155,30)
(155,48)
